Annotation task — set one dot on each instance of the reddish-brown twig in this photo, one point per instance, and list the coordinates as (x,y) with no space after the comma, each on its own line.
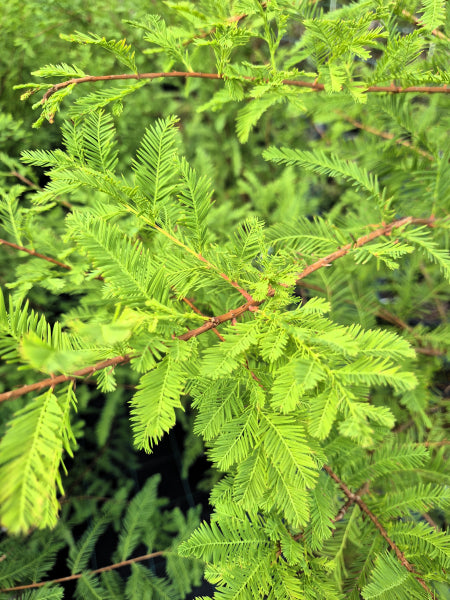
(385,135)
(118,565)
(361,241)
(36,254)
(250,305)
(418,22)
(312,85)
(52,381)
(363,506)
(341,514)
(395,320)
(25,180)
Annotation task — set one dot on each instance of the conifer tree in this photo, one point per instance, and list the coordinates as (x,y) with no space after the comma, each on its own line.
(264,260)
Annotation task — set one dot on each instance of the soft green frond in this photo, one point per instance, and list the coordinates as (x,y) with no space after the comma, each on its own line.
(422,240)
(391,581)
(273,341)
(120,50)
(45,158)
(225,357)
(185,573)
(333,38)
(11,213)
(195,195)
(248,241)
(433,15)
(143,584)
(327,164)
(287,498)
(254,582)
(236,439)
(421,539)
(291,381)
(286,584)
(99,99)
(137,518)
(61,70)
(113,584)
(250,482)
(391,457)
(323,511)
(156,167)
(249,116)
(323,410)
(100,147)
(217,404)
(80,554)
(398,59)
(47,592)
(30,456)
(166,38)
(378,342)
(419,498)
(227,542)
(286,445)
(126,266)
(89,588)
(376,372)
(31,561)
(17,321)
(310,237)
(153,405)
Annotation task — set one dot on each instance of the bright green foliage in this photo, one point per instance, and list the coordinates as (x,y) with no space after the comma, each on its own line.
(269,268)
(29,470)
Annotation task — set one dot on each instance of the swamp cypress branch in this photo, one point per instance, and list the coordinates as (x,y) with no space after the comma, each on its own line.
(123,563)
(249,306)
(363,506)
(313,85)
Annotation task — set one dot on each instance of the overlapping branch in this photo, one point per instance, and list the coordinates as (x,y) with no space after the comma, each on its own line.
(312,85)
(386,135)
(249,306)
(366,510)
(34,253)
(123,563)
(52,381)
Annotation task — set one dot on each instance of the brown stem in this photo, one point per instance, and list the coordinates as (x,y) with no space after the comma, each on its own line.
(52,381)
(363,506)
(36,254)
(430,521)
(251,305)
(395,320)
(385,135)
(199,312)
(361,241)
(417,21)
(410,423)
(29,183)
(317,87)
(362,490)
(25,180)
(224,276)
(118,565)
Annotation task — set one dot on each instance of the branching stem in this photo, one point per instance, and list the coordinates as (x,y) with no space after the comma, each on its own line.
(36,254)
(52,381)
(363,506)
(312,85)
(385,135)
(118,565)
(249,306)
